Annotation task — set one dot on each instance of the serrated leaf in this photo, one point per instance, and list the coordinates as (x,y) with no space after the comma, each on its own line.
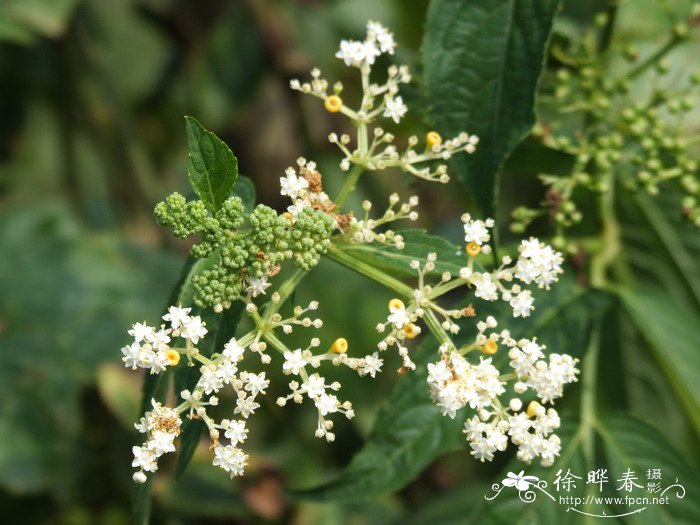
(212,167)
(482,62)
(672,333)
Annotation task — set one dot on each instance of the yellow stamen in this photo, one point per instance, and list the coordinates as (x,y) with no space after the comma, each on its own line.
(433,138)
(490,347)
(473,249)
(533,408)
(339,346)
(411,330)
(395,304)
(333,104)
(173,357)
(288,216)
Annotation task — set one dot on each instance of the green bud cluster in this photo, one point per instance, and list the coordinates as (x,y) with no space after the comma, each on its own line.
(241,253)
(621,140)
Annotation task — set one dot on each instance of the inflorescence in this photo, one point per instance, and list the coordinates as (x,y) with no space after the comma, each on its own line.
(246,250)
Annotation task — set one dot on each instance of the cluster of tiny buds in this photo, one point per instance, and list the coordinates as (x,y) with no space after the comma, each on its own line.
(363,230)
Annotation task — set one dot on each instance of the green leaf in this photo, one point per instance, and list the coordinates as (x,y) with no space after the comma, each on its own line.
(672,333)
(629,443)
(662,245)
(245,189)
(450,258)
(482,62)
(212,168)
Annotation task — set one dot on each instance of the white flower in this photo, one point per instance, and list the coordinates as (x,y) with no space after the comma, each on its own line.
(395,109)
(194,330)
(226,371)
(476,230)
(132,355)
(235,430)
(177,316)
(376,31)
(357,54)
(256,383)
(231,459)
(372,364)
(257,286)
(398,317)
(314,386)
(293,362)
(141,331)
(438,372)
(233,350)
(538,263)
(245,406)
(522,304)
(162,442)
(210,381)
(486,289)
(292,184)
(327,404)
(144,458)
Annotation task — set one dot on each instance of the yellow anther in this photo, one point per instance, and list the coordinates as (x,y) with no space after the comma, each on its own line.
(173,357)
(339,346)
(411,330)
(395,304)
(288,216)
(534,409)
(433,138)
(490,347)
(473,249)
(333,104)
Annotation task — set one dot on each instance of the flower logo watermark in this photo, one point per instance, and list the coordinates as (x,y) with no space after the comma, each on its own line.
(629,484)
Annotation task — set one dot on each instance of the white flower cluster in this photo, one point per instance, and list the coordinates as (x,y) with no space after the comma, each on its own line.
(304,187)
(401,324)
(537,263)
(223,371)
(151,348)
(161,426)
(361,54)
(364,230)
(381,100)
(455,383)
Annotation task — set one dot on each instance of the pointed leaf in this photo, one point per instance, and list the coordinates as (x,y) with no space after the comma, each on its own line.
(212,168)
(482,61)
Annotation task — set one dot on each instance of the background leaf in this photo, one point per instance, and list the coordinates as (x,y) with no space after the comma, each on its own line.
(672,333)
(482,61)
(212,168)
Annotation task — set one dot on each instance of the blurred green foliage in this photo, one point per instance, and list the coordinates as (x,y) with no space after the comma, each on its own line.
(91,136)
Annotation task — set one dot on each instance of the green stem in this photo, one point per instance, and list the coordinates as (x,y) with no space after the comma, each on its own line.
(349,185)
(653,59)
(341,257)
(588,395)
(284,291)
(337,255)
